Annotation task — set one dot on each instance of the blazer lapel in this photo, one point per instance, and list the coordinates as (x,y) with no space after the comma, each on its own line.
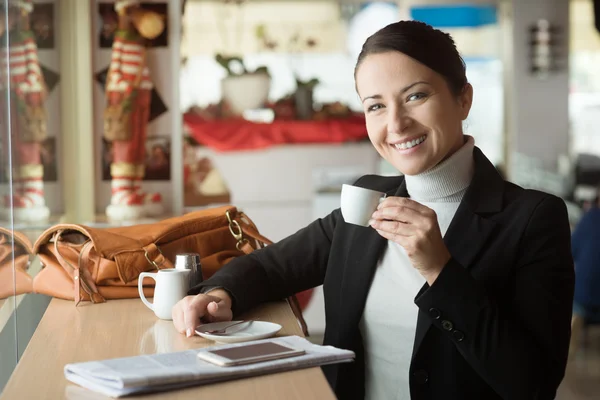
(469,230)
(361,263)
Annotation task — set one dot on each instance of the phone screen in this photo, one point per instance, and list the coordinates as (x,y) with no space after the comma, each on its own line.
(253,350)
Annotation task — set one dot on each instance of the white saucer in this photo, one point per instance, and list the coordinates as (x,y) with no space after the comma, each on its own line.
(252,330)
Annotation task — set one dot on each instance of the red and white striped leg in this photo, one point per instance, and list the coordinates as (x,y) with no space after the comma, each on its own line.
(125,203)
(27,201)
(153,205)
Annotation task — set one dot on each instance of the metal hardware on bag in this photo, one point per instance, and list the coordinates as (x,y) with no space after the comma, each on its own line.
(152,262)
(240,243)
(236,231)
(233,226)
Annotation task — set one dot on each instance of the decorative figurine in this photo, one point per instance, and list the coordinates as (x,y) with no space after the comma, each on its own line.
(27,122)
(128,96)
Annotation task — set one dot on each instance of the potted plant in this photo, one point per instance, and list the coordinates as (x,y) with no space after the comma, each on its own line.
(303,98)
(295,45)
(243,89)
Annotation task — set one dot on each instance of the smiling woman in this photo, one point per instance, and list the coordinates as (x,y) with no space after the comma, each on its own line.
(461,287)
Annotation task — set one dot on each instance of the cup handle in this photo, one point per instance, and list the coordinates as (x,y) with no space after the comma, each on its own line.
(141,287)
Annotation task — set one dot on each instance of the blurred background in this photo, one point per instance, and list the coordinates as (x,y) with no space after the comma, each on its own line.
(253,104)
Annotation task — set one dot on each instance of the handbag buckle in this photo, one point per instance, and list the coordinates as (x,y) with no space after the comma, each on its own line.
(152,262)
(236,231)
(234,227)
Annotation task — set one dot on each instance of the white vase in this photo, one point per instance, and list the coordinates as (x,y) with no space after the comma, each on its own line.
(246,92)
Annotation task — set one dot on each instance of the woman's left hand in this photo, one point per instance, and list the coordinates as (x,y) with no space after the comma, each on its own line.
(414,227)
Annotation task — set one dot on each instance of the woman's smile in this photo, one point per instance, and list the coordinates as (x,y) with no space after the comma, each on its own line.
(409,145)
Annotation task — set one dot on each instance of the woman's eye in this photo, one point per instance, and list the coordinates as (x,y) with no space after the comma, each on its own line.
(374,107)
(416,96)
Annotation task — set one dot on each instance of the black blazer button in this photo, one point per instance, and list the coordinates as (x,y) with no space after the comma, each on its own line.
(420,377)
(435,313)
(458,335)
(447,325)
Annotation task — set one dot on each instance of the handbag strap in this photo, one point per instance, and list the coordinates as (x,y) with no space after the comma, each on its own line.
(87,279)
(248,231)
(79,282)
(243,244)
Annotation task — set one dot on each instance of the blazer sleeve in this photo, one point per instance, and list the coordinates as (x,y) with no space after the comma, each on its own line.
(282,269)
(519,349)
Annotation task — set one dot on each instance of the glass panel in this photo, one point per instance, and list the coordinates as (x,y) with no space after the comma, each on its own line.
(8,327)
(37,197)
(29,110)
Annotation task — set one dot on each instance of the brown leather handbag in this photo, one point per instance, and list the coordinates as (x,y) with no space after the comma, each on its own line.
(84,263)
(15,256)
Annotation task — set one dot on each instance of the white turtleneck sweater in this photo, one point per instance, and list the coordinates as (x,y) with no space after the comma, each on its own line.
(389,319)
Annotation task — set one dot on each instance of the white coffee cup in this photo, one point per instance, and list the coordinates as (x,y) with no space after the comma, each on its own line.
(358,204)
(171,286)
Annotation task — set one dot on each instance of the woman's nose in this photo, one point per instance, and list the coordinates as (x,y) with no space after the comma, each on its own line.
(398,121)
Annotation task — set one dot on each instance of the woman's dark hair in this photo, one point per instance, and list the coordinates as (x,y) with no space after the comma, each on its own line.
(429,46)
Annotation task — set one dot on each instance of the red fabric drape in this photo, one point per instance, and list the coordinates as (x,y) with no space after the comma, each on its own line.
(238,134)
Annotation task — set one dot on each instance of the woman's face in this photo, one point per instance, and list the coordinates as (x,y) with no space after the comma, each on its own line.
(413,119)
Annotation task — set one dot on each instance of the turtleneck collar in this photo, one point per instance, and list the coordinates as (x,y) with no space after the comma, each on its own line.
(446,180)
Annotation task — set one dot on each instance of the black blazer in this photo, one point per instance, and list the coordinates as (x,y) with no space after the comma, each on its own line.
(494,325)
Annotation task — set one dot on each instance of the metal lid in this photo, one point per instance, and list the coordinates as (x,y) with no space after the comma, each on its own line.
(187,260)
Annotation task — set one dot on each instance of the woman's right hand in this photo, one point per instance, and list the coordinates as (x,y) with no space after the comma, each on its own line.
(213,306)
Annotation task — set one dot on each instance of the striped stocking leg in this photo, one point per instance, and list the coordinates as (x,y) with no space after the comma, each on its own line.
(29,91)
(28,201)
(125,202)
(152,201)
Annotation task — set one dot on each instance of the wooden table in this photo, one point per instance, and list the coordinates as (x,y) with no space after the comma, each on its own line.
(122,328)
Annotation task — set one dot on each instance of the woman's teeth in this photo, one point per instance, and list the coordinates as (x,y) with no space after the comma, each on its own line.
(410,143)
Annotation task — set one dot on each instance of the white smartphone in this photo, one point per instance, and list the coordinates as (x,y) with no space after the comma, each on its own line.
(248,354)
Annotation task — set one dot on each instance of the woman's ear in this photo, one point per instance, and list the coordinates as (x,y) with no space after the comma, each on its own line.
(465,100)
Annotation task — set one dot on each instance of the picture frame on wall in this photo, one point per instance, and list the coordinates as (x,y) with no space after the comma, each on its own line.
(42,24)
(106,159)
(109,23)
(157,164)
(49,159)
(158,159)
